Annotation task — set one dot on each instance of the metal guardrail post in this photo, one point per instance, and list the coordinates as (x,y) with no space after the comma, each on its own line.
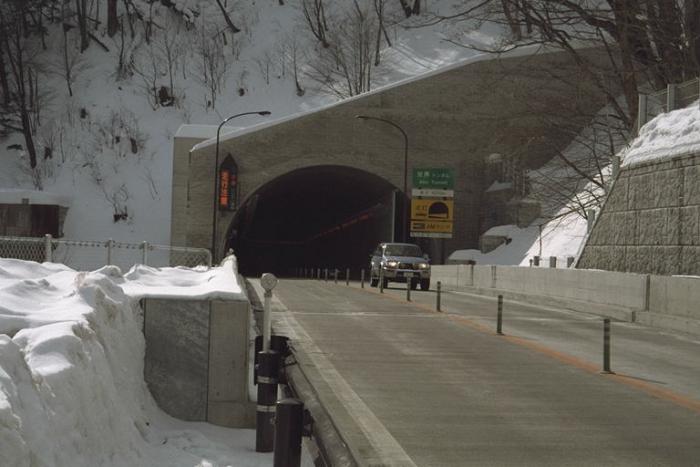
(362,278)
(325,272)
(289,426)
(335,276)
(110,246)
(347,276)
(48,254)
(437,299)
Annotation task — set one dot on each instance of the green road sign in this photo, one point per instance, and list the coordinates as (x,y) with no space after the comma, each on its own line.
(434,178)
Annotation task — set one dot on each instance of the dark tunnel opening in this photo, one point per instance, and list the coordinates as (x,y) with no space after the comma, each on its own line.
(317,217)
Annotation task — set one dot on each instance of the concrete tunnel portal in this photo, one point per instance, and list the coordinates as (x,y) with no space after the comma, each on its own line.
(314,217)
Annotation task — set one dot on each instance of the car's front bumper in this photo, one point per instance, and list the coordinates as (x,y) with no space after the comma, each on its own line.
(400,275)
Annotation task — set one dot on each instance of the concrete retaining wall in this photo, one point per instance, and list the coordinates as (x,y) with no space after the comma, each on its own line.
(661,301)
(196,363)
(650,222)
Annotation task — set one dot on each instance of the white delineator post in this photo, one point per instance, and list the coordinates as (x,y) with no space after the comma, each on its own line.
(268,282)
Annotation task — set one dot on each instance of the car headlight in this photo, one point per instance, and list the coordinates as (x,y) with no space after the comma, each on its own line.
(423,266)
(391,264)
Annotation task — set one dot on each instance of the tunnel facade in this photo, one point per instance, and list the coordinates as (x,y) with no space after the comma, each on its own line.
(452,120)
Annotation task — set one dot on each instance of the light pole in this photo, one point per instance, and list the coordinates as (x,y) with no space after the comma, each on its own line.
(405,170)
(216,178)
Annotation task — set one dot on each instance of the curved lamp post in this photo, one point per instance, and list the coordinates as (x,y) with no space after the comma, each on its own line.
(405,170)
(216,177)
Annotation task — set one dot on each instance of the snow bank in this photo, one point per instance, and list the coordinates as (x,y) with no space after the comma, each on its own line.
(561,238)
(180,282)
(669,135)
(71,372)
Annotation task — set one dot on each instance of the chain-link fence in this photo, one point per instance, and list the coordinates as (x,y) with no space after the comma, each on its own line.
(90,255)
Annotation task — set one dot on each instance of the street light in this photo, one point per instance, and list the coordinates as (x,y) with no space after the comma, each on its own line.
(216,177)
(405,169)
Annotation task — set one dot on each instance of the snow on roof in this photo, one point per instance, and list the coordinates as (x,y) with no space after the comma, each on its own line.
(518,52)
(499,186)
(670,135)
(18,196)
(196,131)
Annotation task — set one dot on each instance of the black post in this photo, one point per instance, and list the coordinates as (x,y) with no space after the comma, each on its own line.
(268,369)
(499,323)
(362,278)
(439,291)
(408,288)
(288,429)
(381,280)
(347,276)
(606,346)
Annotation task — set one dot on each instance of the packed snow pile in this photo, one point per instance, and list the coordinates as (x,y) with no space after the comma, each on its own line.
(669,135)
(71,372)
(561,238)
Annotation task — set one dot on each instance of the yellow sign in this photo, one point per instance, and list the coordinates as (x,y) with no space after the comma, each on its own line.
(431,226)
(432,217)
(432,209)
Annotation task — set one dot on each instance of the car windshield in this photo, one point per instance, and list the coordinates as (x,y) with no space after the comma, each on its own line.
(403,250)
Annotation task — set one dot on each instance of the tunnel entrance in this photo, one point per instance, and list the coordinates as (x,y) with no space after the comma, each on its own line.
(316,217)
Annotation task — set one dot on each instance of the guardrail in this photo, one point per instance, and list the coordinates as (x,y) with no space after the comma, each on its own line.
(89,255)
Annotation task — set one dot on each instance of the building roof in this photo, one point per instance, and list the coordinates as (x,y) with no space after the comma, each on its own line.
(19,196)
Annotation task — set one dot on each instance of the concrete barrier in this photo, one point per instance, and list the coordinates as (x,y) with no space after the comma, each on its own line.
(674,303)
(196,363)
(669,302)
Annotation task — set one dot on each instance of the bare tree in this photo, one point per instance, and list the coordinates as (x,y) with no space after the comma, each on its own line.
(16,115)
(651,42)
(345,67)
(315,15)
(212,64)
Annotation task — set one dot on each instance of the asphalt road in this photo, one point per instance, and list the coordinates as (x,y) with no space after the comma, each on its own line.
(406,385)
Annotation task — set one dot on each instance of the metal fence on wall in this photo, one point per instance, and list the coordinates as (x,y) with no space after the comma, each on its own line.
(675,96)
(90,255)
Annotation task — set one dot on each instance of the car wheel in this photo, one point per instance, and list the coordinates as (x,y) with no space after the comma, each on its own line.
(425,284)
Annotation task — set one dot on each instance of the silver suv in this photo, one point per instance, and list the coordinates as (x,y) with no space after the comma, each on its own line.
(400,262)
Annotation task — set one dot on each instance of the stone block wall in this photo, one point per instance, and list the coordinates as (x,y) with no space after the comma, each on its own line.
(650,222)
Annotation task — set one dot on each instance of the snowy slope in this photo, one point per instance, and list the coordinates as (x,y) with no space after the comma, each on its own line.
(93,133)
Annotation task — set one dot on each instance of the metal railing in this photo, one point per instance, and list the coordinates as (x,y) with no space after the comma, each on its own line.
(90,255)
(675,96)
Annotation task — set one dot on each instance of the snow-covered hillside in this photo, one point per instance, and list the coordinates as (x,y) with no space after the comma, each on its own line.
(111,141)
